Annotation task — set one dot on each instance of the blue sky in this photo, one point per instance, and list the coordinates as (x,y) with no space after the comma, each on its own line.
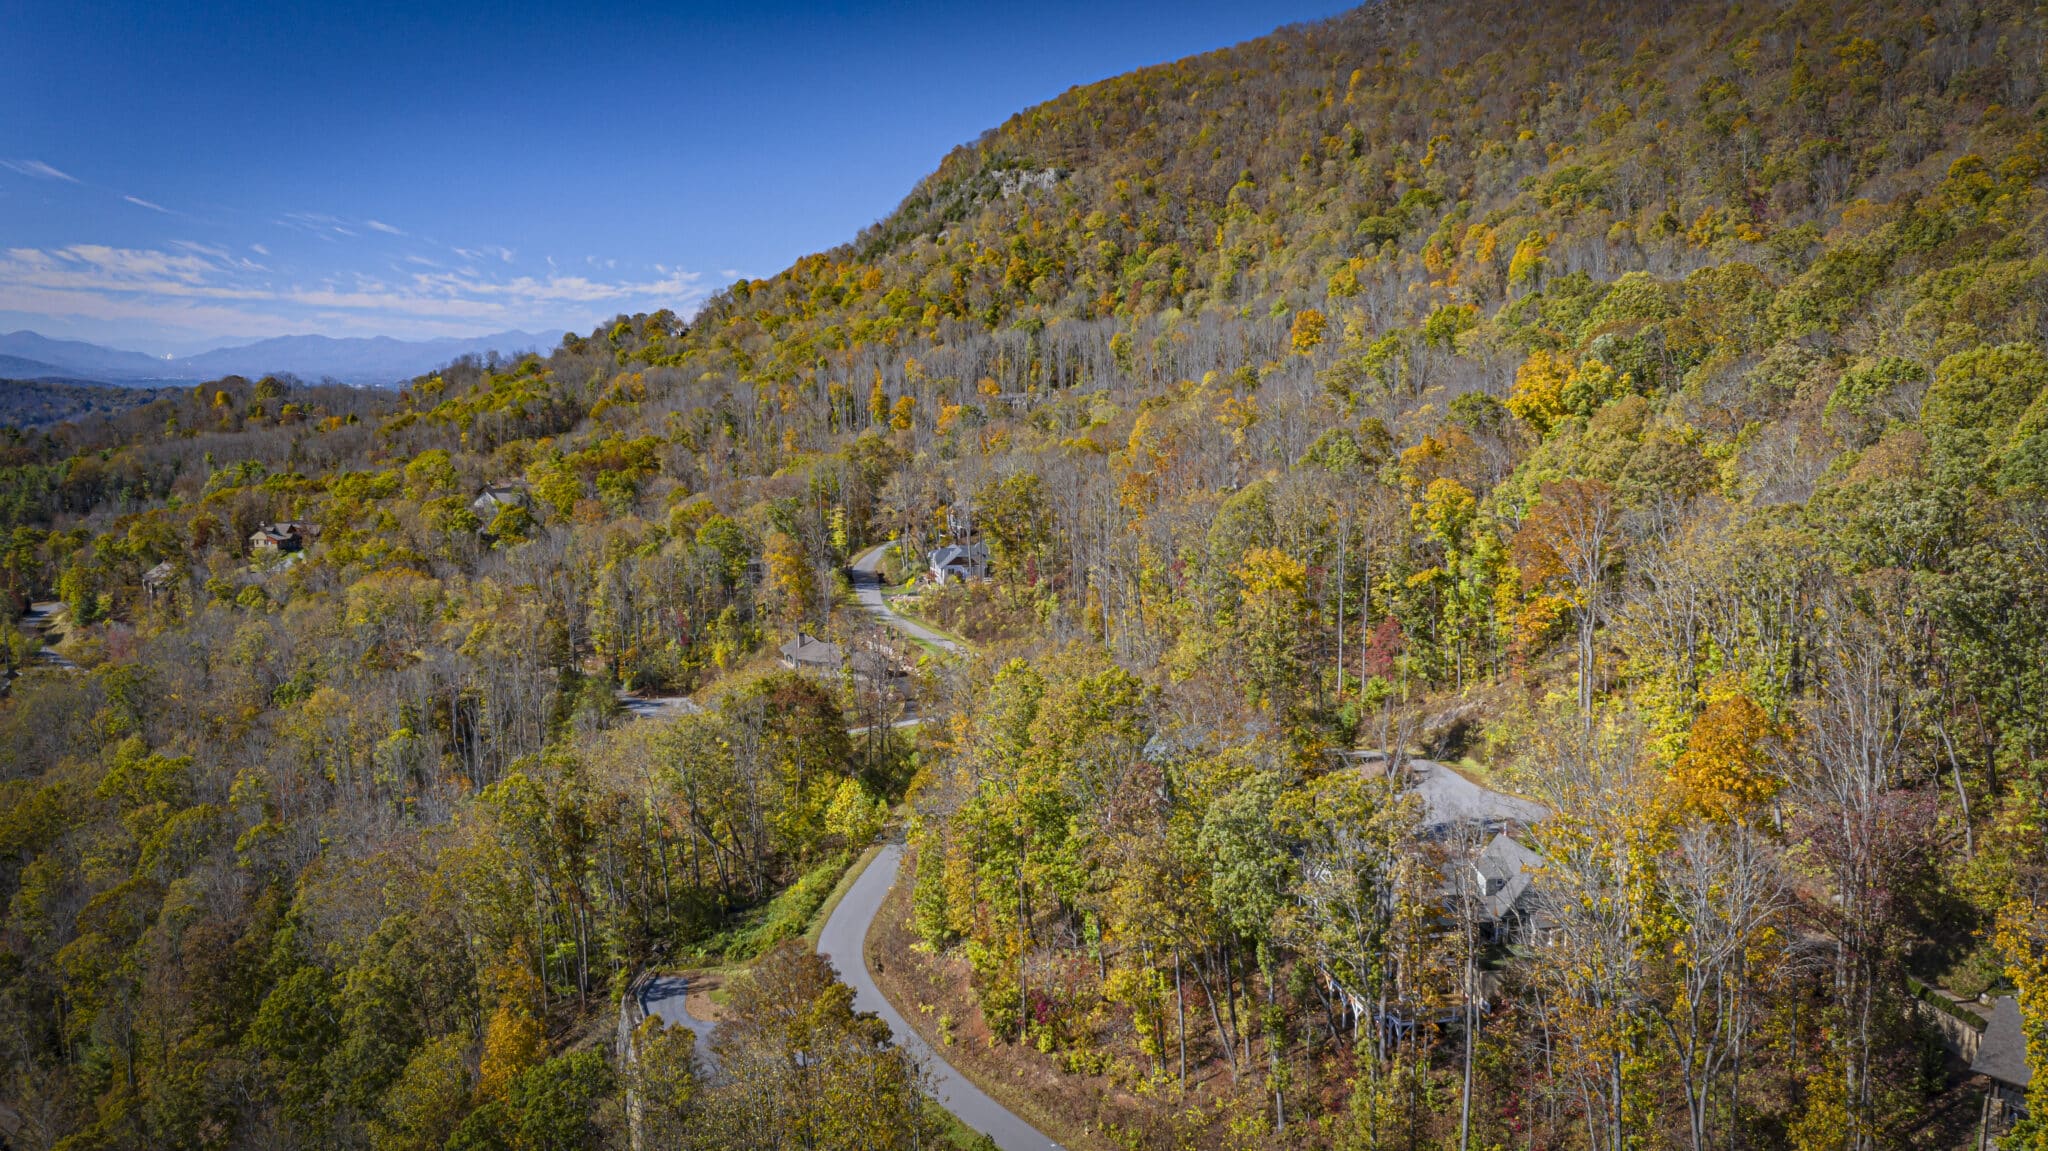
(174,176)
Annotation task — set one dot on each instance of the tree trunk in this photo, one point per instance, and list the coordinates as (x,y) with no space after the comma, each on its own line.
(1180,1015)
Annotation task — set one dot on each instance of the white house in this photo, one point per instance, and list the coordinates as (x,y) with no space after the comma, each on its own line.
(494,497)
(958,562)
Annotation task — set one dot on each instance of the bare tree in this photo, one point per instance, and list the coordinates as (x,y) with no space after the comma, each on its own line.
(1848,765)
(1725,889)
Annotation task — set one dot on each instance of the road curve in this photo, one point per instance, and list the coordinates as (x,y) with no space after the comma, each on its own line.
(867,588)
(665,996)
(844,942)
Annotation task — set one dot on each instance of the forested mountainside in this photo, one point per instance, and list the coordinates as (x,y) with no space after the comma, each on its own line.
(46,403)
(1641,410)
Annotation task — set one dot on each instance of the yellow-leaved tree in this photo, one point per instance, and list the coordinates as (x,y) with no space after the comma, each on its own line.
(1307,332)
(1538,395)
(514,1039)
(878,401)
(1272,604)
(2022,934)
(792,584)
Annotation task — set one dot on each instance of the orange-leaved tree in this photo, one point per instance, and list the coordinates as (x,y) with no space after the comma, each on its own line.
(1571,540)
(1725,772)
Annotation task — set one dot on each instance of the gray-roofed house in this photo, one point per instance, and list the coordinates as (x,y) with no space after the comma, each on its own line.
(493,498)
(958,562)
(1506,871)
(158,579)
(2002,1057)
(808,653)
(283,537)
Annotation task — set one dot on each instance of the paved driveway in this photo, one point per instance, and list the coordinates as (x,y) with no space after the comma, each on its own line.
(867,588)
(1449,799)
(664,997)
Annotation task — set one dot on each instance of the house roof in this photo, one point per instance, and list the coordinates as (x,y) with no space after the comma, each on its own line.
(964,554)
(1449,799)
(807,651)
(2003,1052)
(1506,870)
(159,573)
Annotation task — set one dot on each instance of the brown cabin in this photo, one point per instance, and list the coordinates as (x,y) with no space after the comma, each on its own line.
(282,538)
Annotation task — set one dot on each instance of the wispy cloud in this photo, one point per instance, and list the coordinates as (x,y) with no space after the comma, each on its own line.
(259,249)
(142,203)
(198,286)
(381,226)
(318,223)
(195,270)
(219,255)
(38,170)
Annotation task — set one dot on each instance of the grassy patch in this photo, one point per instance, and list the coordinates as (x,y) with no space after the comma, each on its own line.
(786,916)
(954,1133)
(839,890)
(912,613)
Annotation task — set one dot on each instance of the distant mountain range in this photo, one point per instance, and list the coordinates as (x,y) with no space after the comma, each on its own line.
(28,355)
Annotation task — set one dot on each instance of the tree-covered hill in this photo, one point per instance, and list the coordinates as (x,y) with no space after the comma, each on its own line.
(1641,409)
(46,402)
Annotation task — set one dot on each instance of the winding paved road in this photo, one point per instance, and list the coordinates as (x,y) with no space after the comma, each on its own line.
(844,939)
(867,588)
(844,942)
(42,616)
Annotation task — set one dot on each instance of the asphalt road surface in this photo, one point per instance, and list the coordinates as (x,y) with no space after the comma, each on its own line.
(37,623)
(844,942)
(663,997)
(867,587)
(657,707)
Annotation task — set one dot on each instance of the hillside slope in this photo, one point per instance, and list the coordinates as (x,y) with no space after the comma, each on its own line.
(1642,408)
(41,403)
